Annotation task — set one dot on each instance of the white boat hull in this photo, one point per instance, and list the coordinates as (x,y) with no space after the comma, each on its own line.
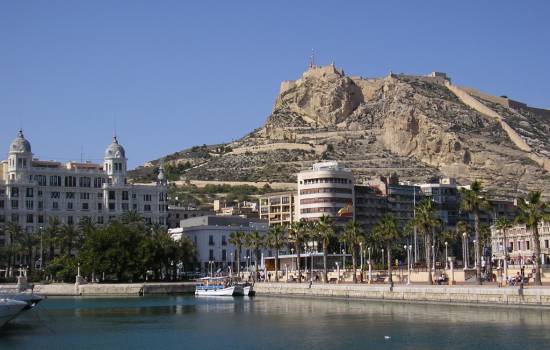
(229,291)
(246,290)
(9,309)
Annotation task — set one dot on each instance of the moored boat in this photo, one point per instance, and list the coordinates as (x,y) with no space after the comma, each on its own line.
(9,309)
(218,286)
(30,299)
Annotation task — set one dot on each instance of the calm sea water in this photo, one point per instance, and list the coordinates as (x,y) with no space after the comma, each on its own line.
(155,323)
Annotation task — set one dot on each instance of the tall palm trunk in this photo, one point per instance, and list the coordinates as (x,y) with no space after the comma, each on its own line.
(298,263)
(390,268)
(536,237)
(276,264)
(238,257)
(325,255)
(255,265)
(353,264)
(429,243)
(477,248)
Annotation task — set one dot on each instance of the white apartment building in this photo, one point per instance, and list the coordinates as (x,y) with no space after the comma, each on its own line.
(278,208)
(327,189)
(32,191)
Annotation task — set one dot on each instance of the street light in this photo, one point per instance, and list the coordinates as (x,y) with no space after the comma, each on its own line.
(370,268)
(433,257)
(361,253)
(475,255)
(383,262)
(344,259)
(408,249)
(465,250)
(446,256)
(41,249)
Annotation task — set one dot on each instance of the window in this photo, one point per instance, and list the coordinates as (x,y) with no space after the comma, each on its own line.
(15,192)
(546,244)
(69,205)
(69,195)
(111,206)
(15,204)
(124,195)
(2,204)
(29,193)
(211,255)
(224,241)
(99,206)
(210,240)
(146,197)
(29,204)
(224,255)
(134,206)
(147,207)
(528,245)
(100,195)
(85,182)
(40,179)
(70,220)
(98,182)
(14,218)
(134,196)
(54,195)
(55,181)
(55,205)
(85,206)
(100,220)
(70,181)
(125,206)
(85,196)
(30,218)
(112,195)
(40,219)
(40,205)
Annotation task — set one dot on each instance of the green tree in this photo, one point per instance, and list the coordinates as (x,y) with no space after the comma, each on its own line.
(474,202)
(324,232)
(276,239)
(52,234)
(26,242)
(255,242)
(533,211)
(388,233)
(14,231)
(237,239)
(297,236)
(352,237)
(69,236)
(426,222)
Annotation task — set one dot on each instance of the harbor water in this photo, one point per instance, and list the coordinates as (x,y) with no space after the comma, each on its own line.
(186,322)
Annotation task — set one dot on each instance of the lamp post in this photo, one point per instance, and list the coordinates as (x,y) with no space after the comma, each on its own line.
(475,257)
(370,268)
(292,266)
(383,263)
(361,253)
(433,258)
(344,259)
(465,250)
(408,249)
(338,271)
(41,249)
(446,256)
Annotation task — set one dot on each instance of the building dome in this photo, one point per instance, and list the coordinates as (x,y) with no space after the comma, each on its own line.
(20,144)
(114,150)
(161,176)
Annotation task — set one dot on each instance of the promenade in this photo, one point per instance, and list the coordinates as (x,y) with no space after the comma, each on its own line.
(459,295)
(110,289)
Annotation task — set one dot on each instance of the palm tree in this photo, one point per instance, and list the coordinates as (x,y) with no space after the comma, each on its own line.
(426,222)
(532,212)
(237,239)
(352,237)
(462,231)
(276,240)
(502,225)
(324,231)
(26,242)
(14,232)
(255,242)
(387,232)
(297,236)
(52,233)
(472,201)
(68,238)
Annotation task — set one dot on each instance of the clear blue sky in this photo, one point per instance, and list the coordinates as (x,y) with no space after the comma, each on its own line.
(179,73)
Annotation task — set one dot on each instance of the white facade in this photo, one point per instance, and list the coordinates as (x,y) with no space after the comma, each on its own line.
(519,244)
(327,189)
(210,235)
(33,191)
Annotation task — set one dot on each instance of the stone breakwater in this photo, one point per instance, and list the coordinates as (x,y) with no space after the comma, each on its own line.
(110,289)
(506,296)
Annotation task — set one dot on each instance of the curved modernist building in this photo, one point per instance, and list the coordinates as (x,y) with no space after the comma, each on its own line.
(327,189)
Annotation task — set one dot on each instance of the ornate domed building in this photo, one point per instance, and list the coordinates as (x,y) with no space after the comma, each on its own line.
(32,191)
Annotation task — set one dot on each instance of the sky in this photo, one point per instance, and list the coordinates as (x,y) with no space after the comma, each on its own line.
(167,75)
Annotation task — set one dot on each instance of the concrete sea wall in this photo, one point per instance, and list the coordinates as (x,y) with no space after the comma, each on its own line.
(111,289)
(537,297)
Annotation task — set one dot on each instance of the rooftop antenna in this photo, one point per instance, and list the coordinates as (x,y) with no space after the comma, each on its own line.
(312,59)
(114,128)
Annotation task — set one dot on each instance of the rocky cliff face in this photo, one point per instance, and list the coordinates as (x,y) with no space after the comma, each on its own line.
(416,126)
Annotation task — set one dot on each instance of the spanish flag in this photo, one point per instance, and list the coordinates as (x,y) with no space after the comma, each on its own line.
(346,211)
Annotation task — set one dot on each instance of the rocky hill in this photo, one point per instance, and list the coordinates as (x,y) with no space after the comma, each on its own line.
(419,127)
